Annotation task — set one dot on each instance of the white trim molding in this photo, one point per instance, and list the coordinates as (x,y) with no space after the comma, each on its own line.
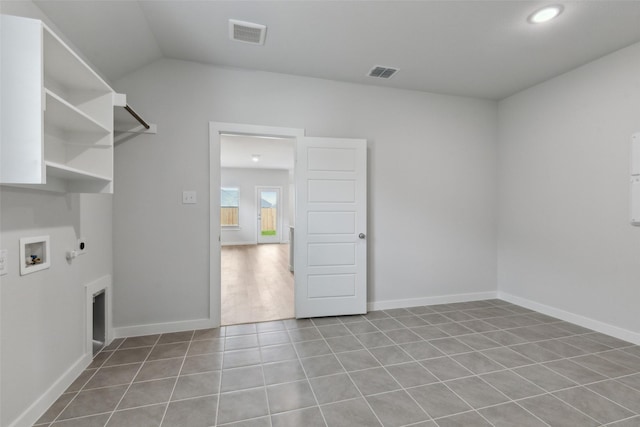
(40,406)
(442,299)
(596,325)
(215,130)
(163,328)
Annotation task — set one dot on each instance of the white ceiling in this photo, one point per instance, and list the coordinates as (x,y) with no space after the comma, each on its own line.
(275,153)
(473,48)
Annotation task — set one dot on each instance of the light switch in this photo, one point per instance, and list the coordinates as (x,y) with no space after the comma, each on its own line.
(189,197)
(4,254)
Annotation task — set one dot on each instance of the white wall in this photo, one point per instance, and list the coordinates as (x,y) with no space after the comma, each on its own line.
(432,182)
(564,236)
(247,180)
(42,315)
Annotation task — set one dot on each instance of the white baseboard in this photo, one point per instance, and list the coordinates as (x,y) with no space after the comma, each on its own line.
(442,299)
(40,406)
(162,328)
(596,325)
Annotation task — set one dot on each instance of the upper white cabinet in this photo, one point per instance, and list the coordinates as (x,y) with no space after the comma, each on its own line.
(56,113)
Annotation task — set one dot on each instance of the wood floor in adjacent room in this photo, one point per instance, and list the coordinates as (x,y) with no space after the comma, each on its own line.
(256,283)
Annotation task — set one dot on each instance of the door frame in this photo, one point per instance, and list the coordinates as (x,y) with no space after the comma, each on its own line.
(215,130)
(279,219)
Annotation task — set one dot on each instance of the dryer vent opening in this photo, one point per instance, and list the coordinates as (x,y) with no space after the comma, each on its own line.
(99,321)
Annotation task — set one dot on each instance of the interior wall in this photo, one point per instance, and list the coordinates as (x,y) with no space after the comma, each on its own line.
(247,180)
(431,182)
(565,240)
(43,322)
(42,315)
(28,9)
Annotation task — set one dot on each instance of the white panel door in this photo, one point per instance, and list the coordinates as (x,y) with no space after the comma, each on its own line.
(330,230)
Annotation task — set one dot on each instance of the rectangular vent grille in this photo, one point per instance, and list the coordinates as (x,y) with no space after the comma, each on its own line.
(382,72)
(247,32)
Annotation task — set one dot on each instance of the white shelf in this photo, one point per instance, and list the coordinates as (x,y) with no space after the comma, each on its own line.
(59,170)
(66,68)
(64,116)
(56,113)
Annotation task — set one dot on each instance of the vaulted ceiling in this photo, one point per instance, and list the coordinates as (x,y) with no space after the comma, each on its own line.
(475,48)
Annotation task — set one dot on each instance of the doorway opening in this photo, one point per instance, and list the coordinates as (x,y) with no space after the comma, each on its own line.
(256,212)
(269,215)
(330,213)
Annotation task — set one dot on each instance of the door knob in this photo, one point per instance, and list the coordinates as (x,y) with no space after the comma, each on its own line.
(361,235)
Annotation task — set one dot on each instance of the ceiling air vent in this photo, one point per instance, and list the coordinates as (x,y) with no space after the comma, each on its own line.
(382,72)
(247,32)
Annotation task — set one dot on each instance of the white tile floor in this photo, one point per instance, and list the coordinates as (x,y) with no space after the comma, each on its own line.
(482,363)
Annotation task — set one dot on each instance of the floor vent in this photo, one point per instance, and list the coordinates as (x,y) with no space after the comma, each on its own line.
(247,32)
(382,72)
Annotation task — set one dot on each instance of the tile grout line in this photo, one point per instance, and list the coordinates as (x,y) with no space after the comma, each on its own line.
(435,376)
(510,400)
(513,371)
(429,417)
(348,374)
(587,335)
(551,393)
(224,345)
(72,399)
(132,379)
(455,361)
(184,358)
(540,363)
(478,376)
(299,360)
(264,379)
(474,350)
(333,352)
(631,418)
(610,400)
(90,378)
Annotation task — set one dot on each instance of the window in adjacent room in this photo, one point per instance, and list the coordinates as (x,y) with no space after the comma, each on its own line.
(229,206)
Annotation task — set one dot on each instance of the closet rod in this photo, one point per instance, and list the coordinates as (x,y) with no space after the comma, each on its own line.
(136,116)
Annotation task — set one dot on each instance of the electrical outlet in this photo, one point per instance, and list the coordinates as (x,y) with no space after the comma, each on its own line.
(81,246)
(189,197)
(4,266)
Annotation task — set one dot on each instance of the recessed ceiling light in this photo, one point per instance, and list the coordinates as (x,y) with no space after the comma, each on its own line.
(255,157)
(545,14)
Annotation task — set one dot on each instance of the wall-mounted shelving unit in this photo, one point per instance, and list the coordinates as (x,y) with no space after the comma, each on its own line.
(57,114)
